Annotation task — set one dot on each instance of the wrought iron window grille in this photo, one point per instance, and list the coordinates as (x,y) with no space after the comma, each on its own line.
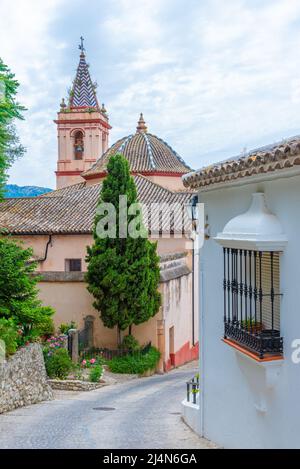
(252,300)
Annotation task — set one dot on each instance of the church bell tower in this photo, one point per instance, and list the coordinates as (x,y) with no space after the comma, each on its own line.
(82,128)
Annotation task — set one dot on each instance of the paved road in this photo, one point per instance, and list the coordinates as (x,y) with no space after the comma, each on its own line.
(146,415)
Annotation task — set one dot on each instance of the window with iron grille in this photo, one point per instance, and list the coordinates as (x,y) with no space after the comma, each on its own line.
(73,265)
(252,300)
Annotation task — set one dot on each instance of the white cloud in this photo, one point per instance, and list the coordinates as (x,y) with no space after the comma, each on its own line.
(211,77)
(135,20)
(233,84)
(31,54)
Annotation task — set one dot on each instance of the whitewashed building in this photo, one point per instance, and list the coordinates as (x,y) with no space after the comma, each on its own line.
(249,307)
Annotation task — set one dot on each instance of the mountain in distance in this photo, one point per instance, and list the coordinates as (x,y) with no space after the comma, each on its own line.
(13,190)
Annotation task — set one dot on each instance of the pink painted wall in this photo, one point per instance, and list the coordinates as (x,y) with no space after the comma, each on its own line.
(72,302)
(74,247)
(67,180)
(173,183)
(62,247)
(177,313)
(95,129)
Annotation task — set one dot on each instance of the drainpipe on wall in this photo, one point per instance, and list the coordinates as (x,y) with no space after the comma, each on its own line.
(42,259)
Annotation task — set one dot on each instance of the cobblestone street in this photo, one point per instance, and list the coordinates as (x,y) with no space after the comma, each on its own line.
(145,413)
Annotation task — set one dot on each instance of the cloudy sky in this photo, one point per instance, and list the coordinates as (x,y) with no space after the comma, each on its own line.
(213,77)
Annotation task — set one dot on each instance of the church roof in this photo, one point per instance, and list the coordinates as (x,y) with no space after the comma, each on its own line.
(145,152)
(71,210)
(83,92)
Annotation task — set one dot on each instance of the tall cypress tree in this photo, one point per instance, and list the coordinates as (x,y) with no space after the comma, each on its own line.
(123,272)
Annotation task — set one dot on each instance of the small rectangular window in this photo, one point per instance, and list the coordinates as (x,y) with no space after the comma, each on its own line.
(73,265)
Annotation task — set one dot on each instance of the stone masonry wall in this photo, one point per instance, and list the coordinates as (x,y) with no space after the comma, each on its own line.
(23,379)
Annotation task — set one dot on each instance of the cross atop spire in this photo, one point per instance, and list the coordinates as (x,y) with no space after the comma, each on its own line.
(83,93)
(81,45)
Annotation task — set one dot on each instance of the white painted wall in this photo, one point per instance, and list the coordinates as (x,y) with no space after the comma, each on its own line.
(190,415)
(233,386)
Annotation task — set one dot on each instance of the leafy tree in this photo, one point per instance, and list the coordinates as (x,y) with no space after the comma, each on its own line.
(123,272)
(22,315)
(10,109)
(19,293)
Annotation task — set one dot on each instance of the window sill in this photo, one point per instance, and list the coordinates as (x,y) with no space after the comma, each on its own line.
(250,354)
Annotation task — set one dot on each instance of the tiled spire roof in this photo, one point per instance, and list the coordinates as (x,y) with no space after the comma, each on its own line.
(83,91)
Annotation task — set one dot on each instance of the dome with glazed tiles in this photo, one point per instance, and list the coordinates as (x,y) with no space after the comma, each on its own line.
(146,154)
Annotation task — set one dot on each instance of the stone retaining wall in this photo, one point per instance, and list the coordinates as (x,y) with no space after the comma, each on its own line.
(23,379)
(74,385)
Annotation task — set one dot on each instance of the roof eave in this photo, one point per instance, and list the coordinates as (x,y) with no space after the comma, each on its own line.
(195,182)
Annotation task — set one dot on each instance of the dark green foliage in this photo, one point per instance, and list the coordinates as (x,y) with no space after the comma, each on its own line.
(130,343)
(9,334)
(19,304)
(64,328)
(58,364)
(46,327)
(10,109)
(19,293)
(136,363)
(95,373)
(123,272)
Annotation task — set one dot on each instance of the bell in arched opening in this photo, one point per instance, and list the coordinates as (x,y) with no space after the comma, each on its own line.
(78,145)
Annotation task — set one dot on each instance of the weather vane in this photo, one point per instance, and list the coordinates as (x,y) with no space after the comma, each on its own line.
(81,44)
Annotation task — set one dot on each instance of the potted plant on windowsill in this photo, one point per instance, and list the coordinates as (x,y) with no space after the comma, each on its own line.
(252,326)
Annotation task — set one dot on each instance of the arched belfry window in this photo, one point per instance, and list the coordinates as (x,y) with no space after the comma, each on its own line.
(78,145)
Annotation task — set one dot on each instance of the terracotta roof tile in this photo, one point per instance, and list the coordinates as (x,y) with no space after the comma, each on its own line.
(275,157)
(72,209)
(145,153)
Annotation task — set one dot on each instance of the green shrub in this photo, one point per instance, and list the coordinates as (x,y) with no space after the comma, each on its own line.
(58,364)
(65,327)
(19,293)
(9,334)
(130,343)
(95,373)
(46,328)
(136,363)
